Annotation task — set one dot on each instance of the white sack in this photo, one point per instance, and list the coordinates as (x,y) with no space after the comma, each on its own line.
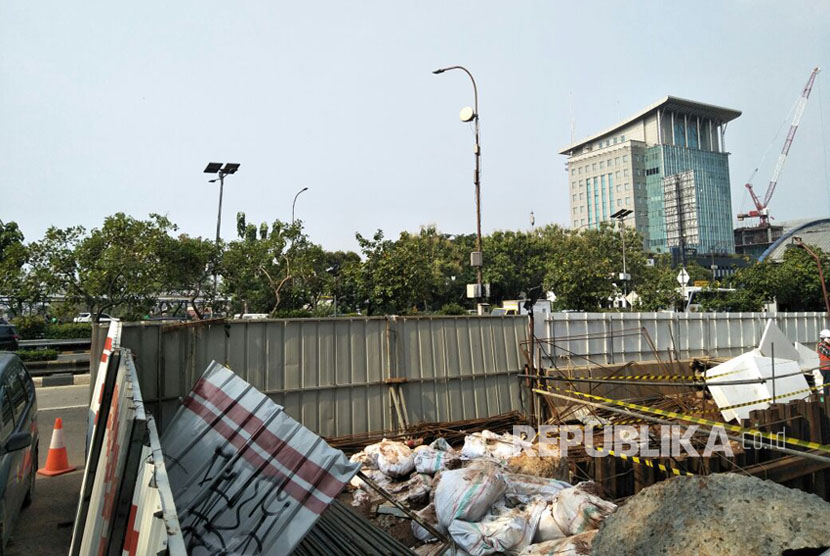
(500,531)
(468,493)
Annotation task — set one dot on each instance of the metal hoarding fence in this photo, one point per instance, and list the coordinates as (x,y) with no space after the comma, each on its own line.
(335,375)
(103,520)
(606,338)
(246,477)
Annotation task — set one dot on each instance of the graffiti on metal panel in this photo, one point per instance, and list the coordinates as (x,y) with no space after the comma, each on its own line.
(215,521)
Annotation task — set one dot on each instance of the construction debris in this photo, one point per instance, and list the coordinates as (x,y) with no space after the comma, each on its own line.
(777,368)
(475,497)
(723,514)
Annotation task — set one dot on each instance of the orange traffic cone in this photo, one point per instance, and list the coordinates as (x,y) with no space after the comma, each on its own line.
(56,461)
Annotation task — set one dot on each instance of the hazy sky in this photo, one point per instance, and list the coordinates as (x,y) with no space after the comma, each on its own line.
(108,107)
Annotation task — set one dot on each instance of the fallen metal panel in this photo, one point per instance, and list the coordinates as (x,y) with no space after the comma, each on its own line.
(95,443)
(112,342)
(153,526)
(230,451)
(114,478)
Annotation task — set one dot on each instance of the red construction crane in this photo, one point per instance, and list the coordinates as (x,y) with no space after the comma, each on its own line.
(761,211)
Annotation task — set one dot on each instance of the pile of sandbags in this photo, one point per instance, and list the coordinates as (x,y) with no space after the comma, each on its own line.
(476,497)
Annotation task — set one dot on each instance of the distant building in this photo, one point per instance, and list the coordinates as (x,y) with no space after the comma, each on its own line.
(668,163)
(752,241)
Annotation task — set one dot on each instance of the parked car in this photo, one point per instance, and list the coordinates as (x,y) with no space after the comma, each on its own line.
(18,442)
(8,336)
(87,317)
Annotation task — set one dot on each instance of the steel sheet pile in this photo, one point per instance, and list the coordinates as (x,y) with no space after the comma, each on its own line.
(477,497)
(246,477)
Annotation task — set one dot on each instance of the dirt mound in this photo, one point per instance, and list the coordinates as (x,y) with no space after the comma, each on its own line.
(721,514)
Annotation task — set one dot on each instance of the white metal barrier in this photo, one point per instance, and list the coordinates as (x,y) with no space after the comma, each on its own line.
(609,338)
(125,502)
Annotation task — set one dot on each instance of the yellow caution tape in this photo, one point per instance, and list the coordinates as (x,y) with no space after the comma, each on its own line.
(697,420)
(777,397)
(667,378)
(647,462)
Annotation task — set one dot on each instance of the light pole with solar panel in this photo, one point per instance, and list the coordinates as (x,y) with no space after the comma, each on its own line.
(222,170)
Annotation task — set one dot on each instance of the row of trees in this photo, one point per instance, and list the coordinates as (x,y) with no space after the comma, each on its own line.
(127,264)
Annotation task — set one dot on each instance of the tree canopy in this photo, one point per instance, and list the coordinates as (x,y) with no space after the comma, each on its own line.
(275,268)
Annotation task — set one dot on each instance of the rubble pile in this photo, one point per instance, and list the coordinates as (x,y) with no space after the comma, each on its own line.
(720,514)
(496,494)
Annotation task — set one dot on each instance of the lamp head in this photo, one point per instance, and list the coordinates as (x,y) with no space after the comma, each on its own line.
(467,114)
(439,70)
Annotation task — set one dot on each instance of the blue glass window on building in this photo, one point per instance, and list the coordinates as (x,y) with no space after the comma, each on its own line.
(588,201)
(604,197)
(611,191)
(693,139)
(679,131)
(596,202)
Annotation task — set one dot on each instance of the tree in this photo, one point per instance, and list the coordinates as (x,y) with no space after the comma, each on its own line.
(583,266)
(264,269)
(17,284)
(657,287)
(117,265)
(515,263)
(189,266)
(414,273)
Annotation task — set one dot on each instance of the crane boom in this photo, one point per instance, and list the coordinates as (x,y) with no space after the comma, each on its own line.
(799,110)
(761,207)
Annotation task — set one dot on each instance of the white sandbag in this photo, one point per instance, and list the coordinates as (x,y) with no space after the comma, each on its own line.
(395,459)
(522,489)
(548,529)
(468,493)
(428,515)
(488,444)
(429,460)
(575,545)
(575,510)
(415,490)
(502,530)
(374,474)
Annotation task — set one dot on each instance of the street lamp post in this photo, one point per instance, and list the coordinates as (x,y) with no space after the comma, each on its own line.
(476,259)
(222,170)
(620,216)
(295,203)
(797,241)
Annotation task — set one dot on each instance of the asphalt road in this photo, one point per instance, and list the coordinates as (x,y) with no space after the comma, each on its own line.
(62,397)
(45,527)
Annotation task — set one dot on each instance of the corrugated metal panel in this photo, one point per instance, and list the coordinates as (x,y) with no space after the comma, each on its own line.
(330,373)
(602,337)
(116,468)
(155,525)
(231,452)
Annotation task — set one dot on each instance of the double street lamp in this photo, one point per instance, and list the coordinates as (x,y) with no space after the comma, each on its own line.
(471,115)
(222,170)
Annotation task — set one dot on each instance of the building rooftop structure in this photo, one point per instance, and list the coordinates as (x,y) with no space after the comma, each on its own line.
(668,103)
(812,232)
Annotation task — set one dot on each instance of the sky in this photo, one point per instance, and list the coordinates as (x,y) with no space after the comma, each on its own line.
(107,107)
